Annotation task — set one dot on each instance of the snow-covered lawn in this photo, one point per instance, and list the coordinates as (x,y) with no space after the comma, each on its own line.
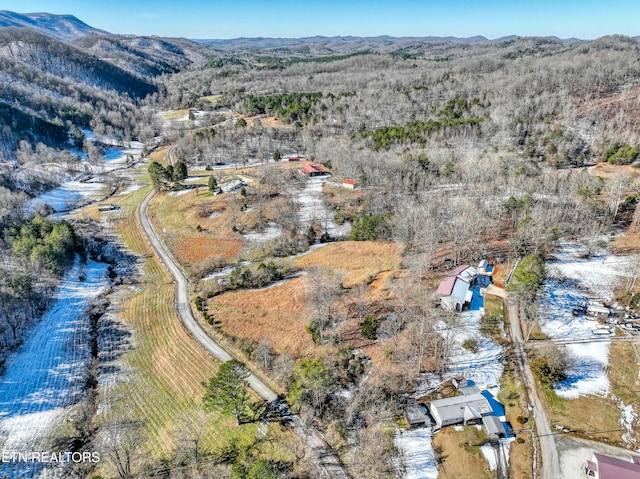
(68,195)
(46,374)
(483,365)
(311,208)
(271,232)
(588,371)
(572,280)
(417,458)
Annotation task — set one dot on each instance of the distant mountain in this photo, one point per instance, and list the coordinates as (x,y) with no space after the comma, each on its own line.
(62,27)
(144,56)
(344,44)
(46,82)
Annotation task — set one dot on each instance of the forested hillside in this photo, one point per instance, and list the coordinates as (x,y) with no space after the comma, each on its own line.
(50,85)
(477,122)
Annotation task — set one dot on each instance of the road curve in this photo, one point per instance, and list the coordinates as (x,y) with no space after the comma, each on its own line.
(548,449)
(330,465)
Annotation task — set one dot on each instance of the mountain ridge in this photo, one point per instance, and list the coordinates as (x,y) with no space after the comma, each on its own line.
(61,27)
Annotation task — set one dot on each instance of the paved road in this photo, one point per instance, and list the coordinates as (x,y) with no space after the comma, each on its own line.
(329,464)
(548,449)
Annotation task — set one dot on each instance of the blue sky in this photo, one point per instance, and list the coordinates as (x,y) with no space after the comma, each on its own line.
(287,18)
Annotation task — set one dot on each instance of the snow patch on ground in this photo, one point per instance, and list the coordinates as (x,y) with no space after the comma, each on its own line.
(179,193)
(132,188)
(484,365)
(68,195)
(597,275)
(46,374)
(490,455)
(271,232)
(572,280)
(587,373)
(417,458)
(312,209)
(629,421)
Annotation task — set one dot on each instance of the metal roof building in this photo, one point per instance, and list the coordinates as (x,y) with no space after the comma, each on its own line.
(607,467)
(459,409)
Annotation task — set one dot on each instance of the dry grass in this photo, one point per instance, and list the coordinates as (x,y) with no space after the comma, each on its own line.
(179,217)
(607,170)
(359,261)
(600,416)
(173,114)
(627,244)
(515,404)
(460,454)
(167,365)
(278,314)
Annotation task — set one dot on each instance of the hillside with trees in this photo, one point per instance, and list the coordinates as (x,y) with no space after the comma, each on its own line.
(460,149)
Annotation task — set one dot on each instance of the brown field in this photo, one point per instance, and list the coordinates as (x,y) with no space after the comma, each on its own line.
(358,260)
(278,314)
(201,248)
(460,454)
(627,244)
(179,217)
(607,170)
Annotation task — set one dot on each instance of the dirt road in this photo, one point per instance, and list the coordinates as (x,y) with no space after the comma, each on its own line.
(329,464)
(548,449)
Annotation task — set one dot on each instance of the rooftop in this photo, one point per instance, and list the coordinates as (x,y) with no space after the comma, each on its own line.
(609,467)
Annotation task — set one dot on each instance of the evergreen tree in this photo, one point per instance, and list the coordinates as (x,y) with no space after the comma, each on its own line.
(227,390)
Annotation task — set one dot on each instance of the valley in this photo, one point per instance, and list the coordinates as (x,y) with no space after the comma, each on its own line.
(365,230)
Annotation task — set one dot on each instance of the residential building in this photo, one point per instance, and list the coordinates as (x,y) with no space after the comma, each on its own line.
(607,467)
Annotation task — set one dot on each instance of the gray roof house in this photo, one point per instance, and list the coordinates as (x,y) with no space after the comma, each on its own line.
(459,410)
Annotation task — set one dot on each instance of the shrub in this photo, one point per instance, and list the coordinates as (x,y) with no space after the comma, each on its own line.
(369,327)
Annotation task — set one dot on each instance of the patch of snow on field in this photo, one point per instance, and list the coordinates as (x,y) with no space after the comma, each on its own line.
(133,187)
(587,373)
(271,232)
(416,453)
(490,455)
(558,299)
(598,274)
(193,179)
(311,209)
(46,374)
(179,193)
(68,195)
(573,279)
(629,421)
(484,366)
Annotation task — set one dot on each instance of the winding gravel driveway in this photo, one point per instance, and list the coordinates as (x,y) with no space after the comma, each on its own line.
(330,465)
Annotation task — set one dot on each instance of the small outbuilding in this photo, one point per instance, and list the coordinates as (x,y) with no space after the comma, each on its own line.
(416,416)
(106,207)
(315,170)
(349,184)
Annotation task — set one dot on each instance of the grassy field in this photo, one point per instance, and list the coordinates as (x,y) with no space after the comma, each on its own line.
(198,226)
(596,416)
(168,366)
(460,454)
